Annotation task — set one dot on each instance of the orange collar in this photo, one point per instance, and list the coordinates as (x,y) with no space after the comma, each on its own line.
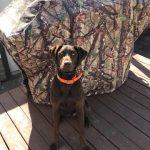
(72,81)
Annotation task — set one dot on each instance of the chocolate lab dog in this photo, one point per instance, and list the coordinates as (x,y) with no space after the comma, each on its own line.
(67,96)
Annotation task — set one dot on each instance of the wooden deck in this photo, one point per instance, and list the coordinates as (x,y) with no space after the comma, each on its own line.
(120,120)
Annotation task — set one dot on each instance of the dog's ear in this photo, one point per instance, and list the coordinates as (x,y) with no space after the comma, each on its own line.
(81,54)
(53,52)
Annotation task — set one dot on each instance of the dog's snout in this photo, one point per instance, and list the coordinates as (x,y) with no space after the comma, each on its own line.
(67,63)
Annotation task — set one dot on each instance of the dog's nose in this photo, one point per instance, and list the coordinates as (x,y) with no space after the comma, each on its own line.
(67,63)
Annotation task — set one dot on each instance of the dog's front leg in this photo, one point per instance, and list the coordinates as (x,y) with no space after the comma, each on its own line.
(81,129)
(56,123)
(87,118)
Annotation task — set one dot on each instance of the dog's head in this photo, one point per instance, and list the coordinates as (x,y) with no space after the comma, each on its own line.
(68,57)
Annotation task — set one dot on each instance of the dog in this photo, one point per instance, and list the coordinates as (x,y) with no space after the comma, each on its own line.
(66,95)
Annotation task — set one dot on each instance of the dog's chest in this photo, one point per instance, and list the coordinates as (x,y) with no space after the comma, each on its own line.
(68,108)
(69,98)
(66,91)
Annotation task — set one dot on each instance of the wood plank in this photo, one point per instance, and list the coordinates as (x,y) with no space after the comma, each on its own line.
(92,136)
(136,77)
(38,121)
(2,144)
(11,135)
(140,71)
(111,133)
(138,87)
(127,114)
(23,124)
(65,127)
(141,64)
(120,124)
(141,58)
(135,96)
(130,104)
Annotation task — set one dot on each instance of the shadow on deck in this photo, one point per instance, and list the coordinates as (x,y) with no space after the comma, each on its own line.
(120,120)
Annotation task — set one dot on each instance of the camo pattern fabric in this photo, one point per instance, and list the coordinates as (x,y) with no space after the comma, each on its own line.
(106,29)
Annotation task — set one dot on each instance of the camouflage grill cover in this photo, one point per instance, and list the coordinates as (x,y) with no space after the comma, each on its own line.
(107,29)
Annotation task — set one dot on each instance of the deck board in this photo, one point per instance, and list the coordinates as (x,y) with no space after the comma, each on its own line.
(140,70)
(131,104)
(23,124)
(3,145)
(139,87)
(135,135)
(141,58)
(112,133)
(11,135)
(128,115)
(120,120)
(134,95)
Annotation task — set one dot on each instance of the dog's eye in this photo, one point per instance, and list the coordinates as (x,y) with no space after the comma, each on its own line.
(60,54)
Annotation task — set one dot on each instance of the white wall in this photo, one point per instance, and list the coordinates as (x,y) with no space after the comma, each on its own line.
(13,67)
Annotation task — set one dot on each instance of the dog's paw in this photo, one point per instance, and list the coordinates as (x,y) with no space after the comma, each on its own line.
(86,147)
(54,146)
(87,122)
